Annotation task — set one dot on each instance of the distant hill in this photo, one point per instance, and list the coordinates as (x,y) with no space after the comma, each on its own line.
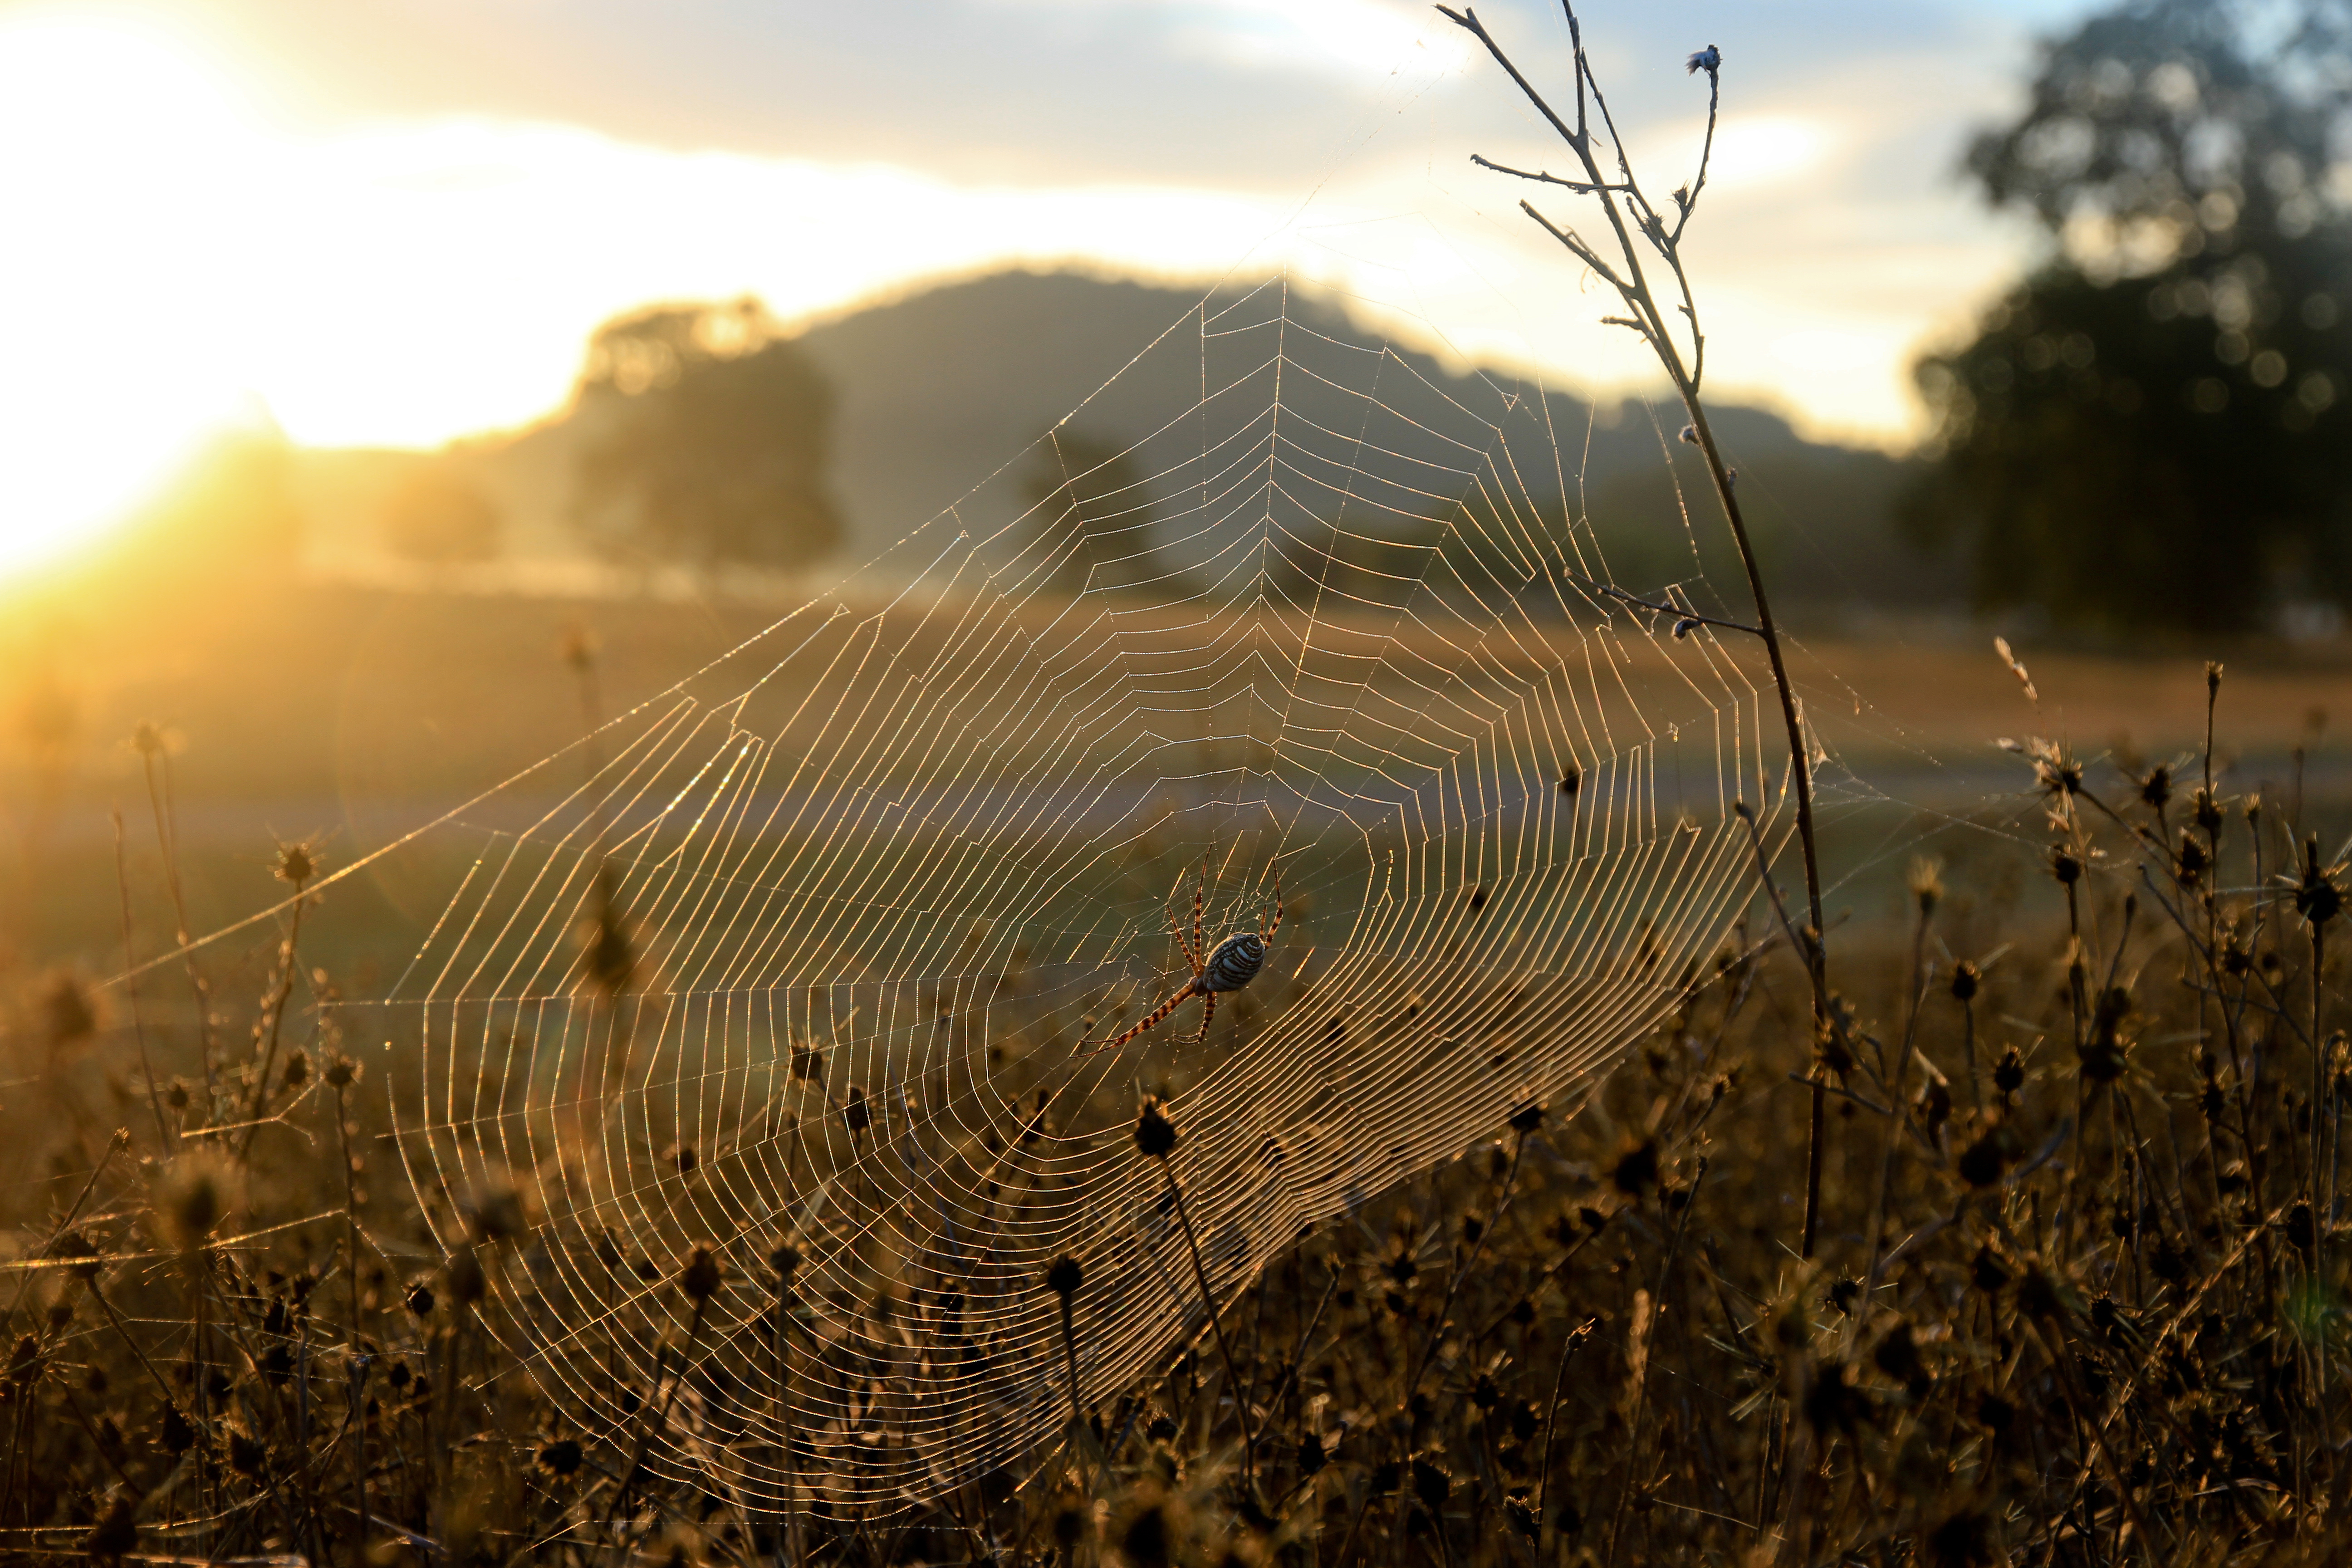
(941,394)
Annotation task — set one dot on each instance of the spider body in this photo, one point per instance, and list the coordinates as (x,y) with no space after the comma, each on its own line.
(1230,965)
(1233,965)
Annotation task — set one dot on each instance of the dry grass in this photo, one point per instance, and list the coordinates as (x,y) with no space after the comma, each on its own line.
(2080,1302)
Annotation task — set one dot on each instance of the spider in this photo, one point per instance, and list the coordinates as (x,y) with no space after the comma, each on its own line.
(1230,965)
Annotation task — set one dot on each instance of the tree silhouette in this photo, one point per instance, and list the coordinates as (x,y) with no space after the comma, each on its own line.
(711,438)
(2148,429)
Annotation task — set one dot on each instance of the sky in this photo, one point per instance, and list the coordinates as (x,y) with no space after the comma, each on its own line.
(394,222)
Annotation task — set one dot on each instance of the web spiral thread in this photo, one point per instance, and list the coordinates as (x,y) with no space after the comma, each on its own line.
(814,953)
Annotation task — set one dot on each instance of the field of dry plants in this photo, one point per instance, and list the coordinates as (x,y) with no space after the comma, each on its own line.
(2077,1295)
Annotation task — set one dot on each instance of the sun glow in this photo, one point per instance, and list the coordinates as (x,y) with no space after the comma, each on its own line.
(191,254)
(119,131)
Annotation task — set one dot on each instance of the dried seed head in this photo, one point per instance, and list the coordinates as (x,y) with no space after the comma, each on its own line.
(700,1278)
(196,1194)
(497,1209)
(2009,1076)
(2155,789)
(1572,779)
(1636,1167)
(2212,679)
(2065,865)
(785,1259)
(298,1069)
(1155,1135)
(66,1010)
(2191,859)
(1147,1540)
(2317,897)
(1966,979)
(1927,882)
(295,864)
(418,1299)
(468,1284)
(1431,1485)
(2208,813)
(1526,1118)
(606,953)
(76,1249)
(1070,1529)
(562,1457)
(1065,1276)
(856,1112)
(577,649)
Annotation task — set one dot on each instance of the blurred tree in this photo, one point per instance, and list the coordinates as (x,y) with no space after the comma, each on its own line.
(438,516)
(2149,429)
(1092,512)
(711,436)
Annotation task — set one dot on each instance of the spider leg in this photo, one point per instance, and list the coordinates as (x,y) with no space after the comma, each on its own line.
(1273,922)
(1200,896)
(1191,956)
(1156,1015)
(1207,1012)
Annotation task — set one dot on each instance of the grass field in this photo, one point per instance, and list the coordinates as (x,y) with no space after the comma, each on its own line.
(2077,1295)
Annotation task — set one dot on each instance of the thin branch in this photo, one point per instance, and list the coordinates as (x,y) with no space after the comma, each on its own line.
(1683,619)
(1581,187)
(1467,18)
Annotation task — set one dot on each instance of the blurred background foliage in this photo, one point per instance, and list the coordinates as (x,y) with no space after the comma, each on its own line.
(2151,430)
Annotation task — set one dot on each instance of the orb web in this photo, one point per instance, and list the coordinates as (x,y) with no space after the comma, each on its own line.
(816,952)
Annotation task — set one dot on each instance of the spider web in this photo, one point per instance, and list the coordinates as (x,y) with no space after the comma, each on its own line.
(815,951)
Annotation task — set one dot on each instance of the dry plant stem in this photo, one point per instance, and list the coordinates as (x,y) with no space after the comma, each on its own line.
(2318,1086)
(1420,1368)
(1217,1325)
(1897,1123)
(1620,200)
(1641,1390)
(167,840)
(131,989)
(790,1533)
(163,1385)
(284,992)
(660,1423)
(355,1361)
(1577,1336)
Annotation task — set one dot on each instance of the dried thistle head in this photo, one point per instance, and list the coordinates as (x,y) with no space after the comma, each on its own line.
(195,1192)
(703,1274)
(607,954)
(497,1209)
(1926,883)
(2318,892)
(577,649)
(468,1283)
(1155,1135)
(66,1012)
(294,863)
